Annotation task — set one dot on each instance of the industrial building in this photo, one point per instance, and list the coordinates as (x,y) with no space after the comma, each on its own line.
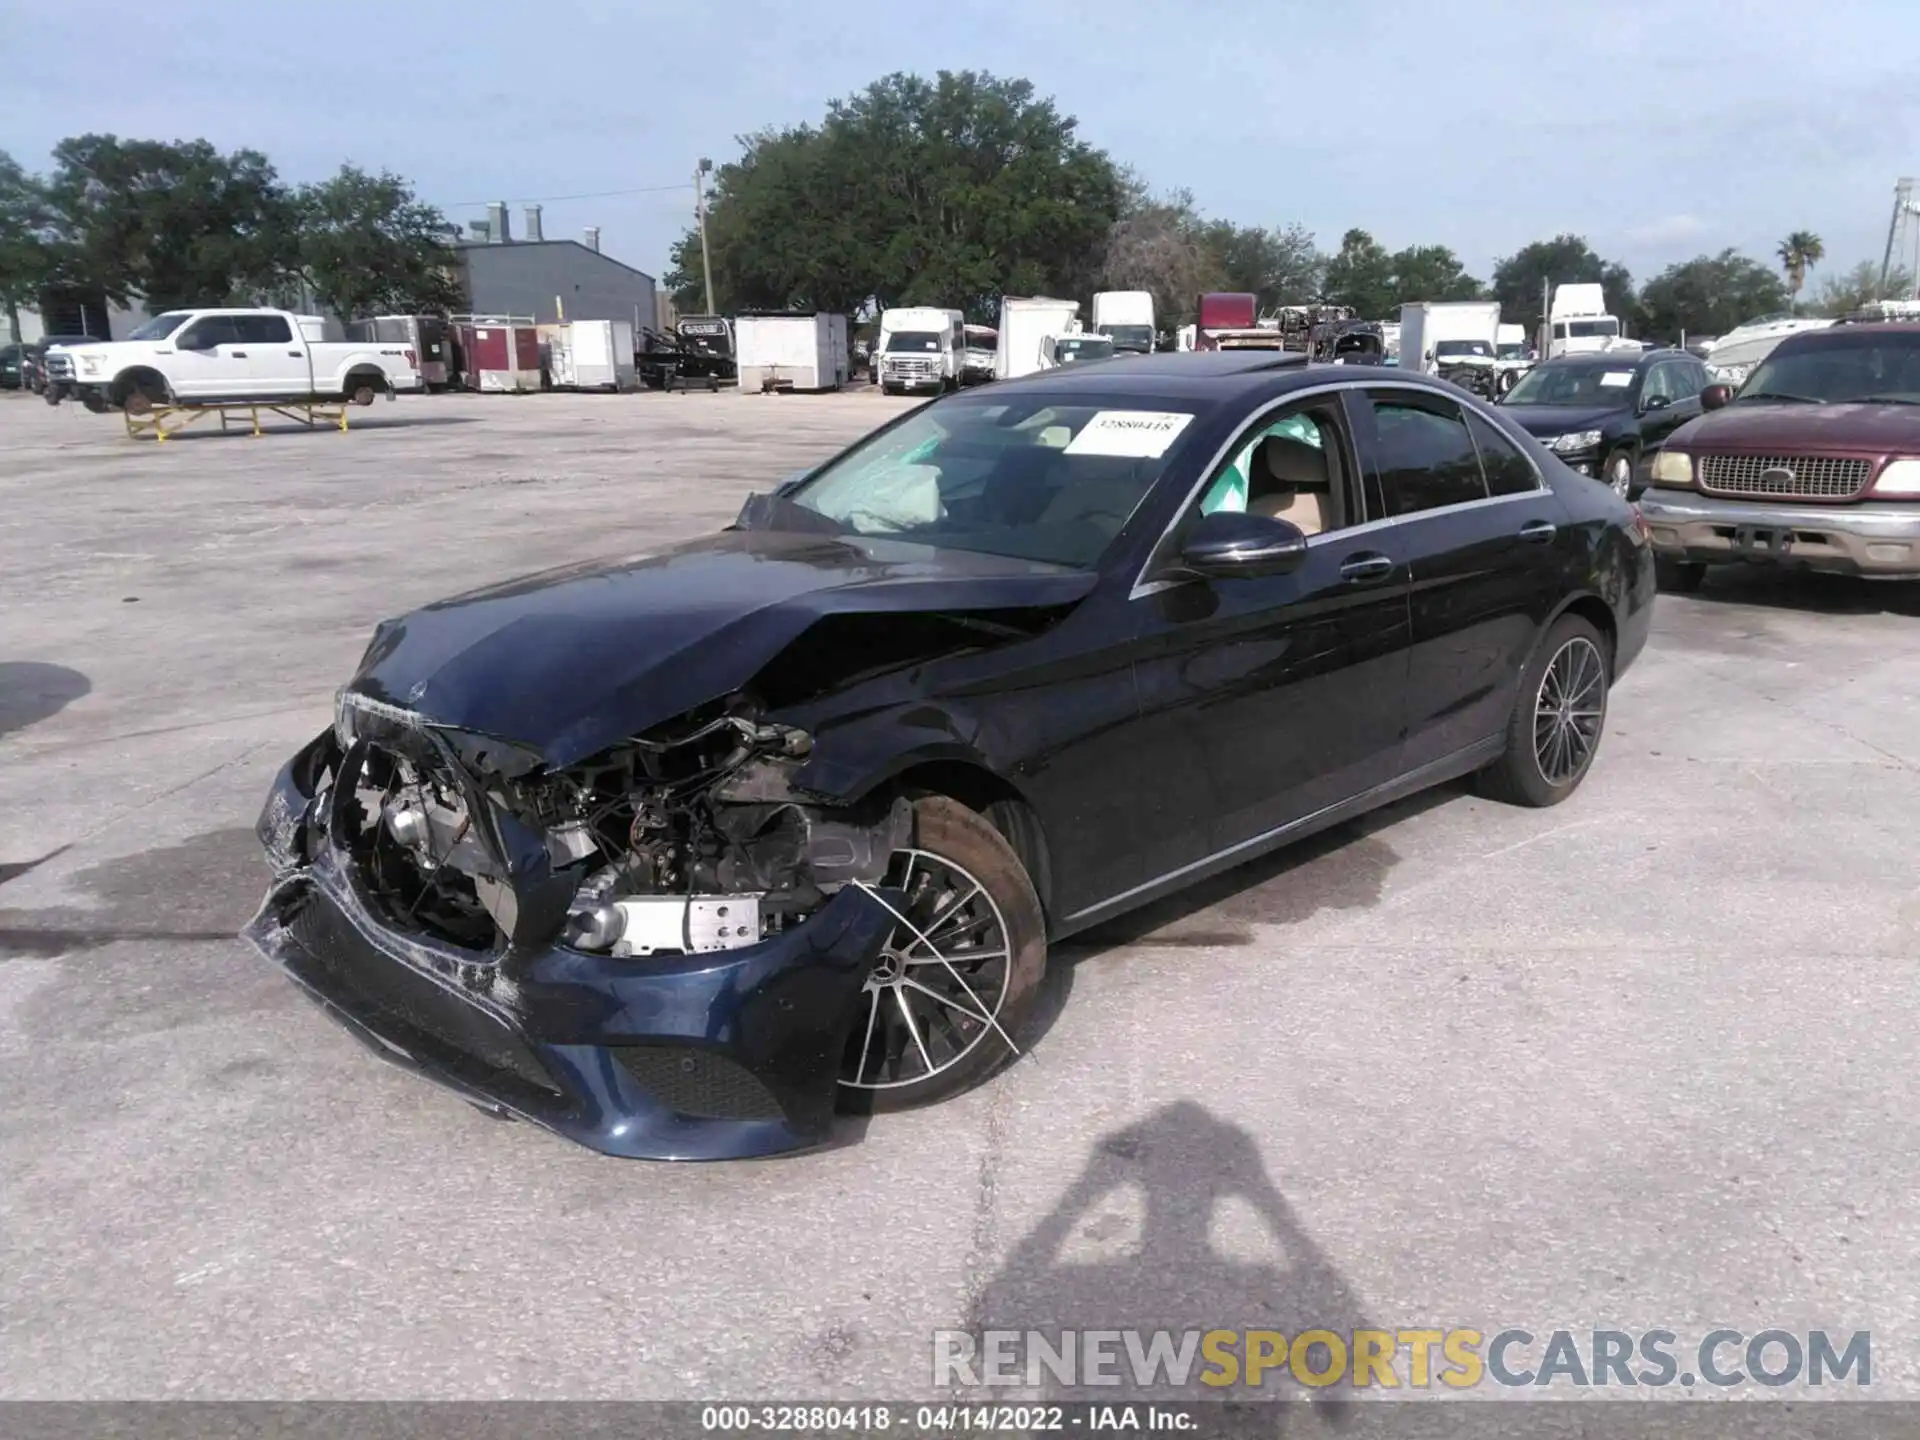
(550,280)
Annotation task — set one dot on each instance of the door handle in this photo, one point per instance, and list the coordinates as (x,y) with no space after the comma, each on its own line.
(1368,565)
(296,354)
(1539,532)
(239,354)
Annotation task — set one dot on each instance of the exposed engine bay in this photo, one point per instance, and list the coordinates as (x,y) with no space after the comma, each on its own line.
(691,838)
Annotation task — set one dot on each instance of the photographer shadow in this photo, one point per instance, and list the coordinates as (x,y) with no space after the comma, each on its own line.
(1175,1225)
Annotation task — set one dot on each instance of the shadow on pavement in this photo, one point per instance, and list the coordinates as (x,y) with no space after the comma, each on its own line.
(31,692)
(1807,590)
(1175,1225)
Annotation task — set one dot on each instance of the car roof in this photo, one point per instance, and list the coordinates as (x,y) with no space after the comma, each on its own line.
(1839,334)
(1614,359)
(1222,377)
(1211,373)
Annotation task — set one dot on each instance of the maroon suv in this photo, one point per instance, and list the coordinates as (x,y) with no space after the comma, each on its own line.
(1814,463)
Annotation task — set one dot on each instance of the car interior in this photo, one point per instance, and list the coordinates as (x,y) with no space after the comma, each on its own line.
(1292,470)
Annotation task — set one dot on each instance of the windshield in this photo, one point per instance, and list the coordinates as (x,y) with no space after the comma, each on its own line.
(1572,385)
(1137,337)
(160,326)
(1447,348)
(1587,329)
(1839,368)
(1039,478)
(917,342)
(1088,348)
(1513,352)
(987,344)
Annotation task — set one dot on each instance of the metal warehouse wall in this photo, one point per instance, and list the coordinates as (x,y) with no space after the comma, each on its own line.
(522,278)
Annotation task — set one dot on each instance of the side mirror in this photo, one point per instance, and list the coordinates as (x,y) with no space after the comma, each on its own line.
(1655,402)
(1233,545)
(1715,396)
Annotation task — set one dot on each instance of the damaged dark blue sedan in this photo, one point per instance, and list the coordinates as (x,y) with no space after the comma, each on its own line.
(680,855)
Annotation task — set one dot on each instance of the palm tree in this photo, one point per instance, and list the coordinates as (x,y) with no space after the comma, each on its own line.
(1799,253)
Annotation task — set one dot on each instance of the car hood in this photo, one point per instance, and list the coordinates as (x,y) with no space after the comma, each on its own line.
(568,662)
(1758,427)
(1550,420)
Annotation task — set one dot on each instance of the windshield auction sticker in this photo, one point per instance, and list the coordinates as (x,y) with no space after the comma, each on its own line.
(1135,434)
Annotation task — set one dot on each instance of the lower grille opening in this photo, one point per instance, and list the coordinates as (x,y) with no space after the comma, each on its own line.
(699,1084)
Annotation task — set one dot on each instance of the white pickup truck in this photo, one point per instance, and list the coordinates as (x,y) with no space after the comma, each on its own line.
(204,357)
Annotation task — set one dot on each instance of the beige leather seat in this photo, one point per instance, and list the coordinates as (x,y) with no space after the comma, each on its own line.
(1291,482)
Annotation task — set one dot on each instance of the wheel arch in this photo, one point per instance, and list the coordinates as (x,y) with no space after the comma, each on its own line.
(128,380)
(1591,607)
(961,774)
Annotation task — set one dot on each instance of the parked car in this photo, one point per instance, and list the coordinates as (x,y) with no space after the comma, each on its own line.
(13,360)
(1813,464)
(33,361)
(1607,415)
(200,357)
(674,855)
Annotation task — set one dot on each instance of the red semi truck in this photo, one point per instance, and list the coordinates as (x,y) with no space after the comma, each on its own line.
(1229,321)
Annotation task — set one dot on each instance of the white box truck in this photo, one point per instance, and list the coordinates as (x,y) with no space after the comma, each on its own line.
(1126,318)
(921,348)
(791,352)
(1580,324)
(1459,336)
(1027,325)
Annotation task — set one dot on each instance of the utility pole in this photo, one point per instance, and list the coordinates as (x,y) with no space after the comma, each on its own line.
(704,168)
(1546,317)
(1903,211)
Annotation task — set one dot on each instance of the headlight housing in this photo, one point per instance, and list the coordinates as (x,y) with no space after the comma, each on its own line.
(1900,480)
(1576,440)
(1673,468)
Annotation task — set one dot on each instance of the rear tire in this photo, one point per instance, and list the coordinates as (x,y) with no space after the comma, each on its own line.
(981,950)
(1679,577)
(1558,720)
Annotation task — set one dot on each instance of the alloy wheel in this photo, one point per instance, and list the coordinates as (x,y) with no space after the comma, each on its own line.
(936,989)
(1568,711)
(1620,475)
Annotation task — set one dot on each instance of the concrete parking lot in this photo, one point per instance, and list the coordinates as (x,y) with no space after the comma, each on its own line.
(1644,1060)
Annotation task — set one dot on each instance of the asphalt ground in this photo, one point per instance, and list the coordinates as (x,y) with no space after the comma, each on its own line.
(1641,1061)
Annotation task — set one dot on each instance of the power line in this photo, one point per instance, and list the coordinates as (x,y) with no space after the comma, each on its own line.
(557,199)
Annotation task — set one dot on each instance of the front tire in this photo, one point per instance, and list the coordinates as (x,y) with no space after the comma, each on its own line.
(1558,719)
(948,996)
(1618,473)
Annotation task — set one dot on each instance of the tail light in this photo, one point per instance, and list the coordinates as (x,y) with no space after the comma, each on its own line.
(411,358)
(1640,531)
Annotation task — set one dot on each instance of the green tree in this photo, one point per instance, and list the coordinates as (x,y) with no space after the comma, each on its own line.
(1360,274)
(1859,287)
(27,253)
(1157,245)
(1518,280)
(1282,267)
(1799,253)
(1429,272)
(949,191)
(366,245)
(1710,295)
(171,224)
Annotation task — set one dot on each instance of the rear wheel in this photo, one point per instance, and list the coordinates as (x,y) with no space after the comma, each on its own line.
(943,1007)
(1558,718)
(361,390)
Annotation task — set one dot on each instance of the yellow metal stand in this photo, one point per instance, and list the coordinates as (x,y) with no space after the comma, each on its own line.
(154,419)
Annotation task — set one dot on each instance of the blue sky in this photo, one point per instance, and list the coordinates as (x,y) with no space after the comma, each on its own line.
(1658,130)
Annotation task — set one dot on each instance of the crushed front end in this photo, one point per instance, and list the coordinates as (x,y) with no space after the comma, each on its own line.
(657,953)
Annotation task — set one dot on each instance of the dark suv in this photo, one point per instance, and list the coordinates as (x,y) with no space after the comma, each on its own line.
(1608,414)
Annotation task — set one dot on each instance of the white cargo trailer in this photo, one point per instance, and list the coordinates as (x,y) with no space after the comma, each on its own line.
(791,352)
(591,355)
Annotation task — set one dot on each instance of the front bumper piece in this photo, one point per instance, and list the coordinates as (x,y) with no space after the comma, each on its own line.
(1877,540)
(712,1056)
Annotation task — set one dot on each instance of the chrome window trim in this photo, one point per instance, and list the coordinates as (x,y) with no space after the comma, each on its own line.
(1142,587)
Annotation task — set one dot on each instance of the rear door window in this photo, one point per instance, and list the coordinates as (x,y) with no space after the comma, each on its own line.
(1426,456)
(263,330)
